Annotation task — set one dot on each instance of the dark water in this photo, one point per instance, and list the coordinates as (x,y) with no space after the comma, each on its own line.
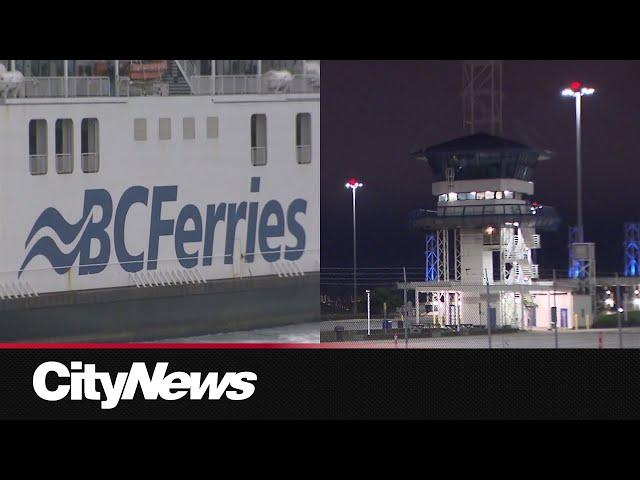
(298,333)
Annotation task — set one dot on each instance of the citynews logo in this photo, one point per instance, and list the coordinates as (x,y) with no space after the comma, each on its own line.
(84,381)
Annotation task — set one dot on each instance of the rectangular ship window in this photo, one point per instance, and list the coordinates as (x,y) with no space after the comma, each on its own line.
(140,129)
(188,128)
(90,145)
(212,127)
(38,147)
(164,129)
(303,138)
(258,139)
(64,145)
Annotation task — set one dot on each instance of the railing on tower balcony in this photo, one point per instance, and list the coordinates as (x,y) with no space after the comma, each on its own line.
(451,216)
(535,271)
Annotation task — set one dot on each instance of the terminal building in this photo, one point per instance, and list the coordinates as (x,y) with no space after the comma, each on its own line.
(482,239)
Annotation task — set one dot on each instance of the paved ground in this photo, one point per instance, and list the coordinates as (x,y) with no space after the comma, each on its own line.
(310,333)
(542,339)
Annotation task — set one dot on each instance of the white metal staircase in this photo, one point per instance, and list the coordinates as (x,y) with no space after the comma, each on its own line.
(177,78)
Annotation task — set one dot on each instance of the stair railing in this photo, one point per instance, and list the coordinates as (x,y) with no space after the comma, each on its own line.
(187,69)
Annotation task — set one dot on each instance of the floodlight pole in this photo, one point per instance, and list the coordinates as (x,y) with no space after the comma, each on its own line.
(355,289)
(579,165)
(577,90)
(368,312)
(353,184)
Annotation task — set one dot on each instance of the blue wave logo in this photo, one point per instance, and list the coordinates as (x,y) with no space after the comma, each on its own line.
(66,232)
(75,238)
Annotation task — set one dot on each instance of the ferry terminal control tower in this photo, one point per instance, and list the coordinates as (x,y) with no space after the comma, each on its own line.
(485,231)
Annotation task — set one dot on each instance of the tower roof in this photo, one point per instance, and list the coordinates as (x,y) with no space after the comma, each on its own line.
(479,143)
(481,156)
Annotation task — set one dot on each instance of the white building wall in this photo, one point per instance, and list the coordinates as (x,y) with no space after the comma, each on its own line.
(471,253)
(544,301)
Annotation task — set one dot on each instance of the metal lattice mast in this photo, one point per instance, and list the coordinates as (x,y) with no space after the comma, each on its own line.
(482,96)
(431,254)
(443,255)
(631,249)
(584,255)
(457,252)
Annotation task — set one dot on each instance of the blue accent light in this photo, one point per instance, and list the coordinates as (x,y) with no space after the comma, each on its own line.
(631,249)
(431,253)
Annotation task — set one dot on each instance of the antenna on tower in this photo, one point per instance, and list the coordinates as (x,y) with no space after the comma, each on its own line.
(482,96)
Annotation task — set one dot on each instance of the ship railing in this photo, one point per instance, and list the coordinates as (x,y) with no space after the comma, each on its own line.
(36,87)
(238,84)
(90,162)
(253,84)
(303,153)
(38,164)
(202,84)
(123,86)
(306,84)
(64,163)
(258,156)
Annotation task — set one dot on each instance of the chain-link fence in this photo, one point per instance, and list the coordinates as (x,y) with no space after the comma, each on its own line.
(396,308)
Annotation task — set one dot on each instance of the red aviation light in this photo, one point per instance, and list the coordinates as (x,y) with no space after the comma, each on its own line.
(353,184)
(575,86)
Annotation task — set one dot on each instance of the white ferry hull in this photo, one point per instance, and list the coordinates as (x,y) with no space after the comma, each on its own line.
(160,216)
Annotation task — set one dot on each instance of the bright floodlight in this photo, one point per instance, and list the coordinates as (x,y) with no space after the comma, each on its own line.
(353,183)
(577,89)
